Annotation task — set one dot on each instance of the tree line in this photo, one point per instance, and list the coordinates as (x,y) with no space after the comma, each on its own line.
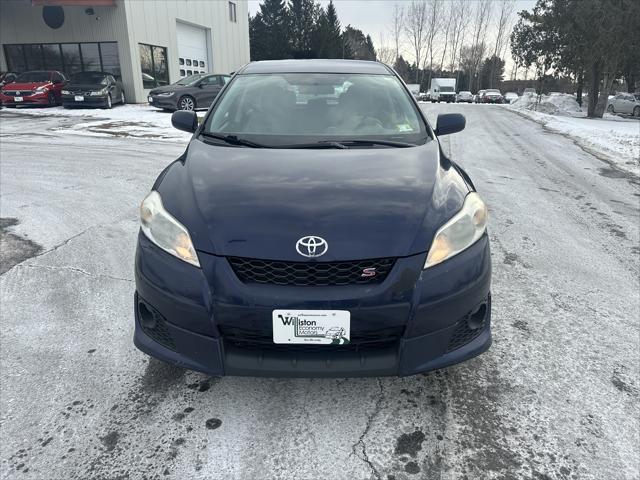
(594,42)
(304,29)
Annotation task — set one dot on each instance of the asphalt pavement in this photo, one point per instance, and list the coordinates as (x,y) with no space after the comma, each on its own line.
(556,396)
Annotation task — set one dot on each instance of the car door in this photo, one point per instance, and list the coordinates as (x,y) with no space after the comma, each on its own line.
(627,103)
(208,88)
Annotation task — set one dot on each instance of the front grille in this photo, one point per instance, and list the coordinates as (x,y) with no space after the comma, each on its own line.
(263,340)
(273,272)
(14,93)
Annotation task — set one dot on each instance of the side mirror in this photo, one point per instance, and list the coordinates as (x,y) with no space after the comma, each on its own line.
(450,123)
(185,121)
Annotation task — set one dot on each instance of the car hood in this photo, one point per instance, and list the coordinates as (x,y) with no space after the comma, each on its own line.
(85,86)
(25,86)
(366,203)
(167,88)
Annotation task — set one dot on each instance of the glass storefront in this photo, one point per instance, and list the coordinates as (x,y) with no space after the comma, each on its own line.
(67,57)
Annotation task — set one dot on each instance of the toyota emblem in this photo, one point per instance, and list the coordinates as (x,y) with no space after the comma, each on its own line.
(311,246)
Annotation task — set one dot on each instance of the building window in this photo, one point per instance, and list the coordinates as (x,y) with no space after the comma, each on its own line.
(181,60)
(153,62)
(68,58)
(232,12)
(182,73)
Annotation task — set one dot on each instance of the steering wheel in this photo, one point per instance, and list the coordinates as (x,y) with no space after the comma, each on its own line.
(368,120)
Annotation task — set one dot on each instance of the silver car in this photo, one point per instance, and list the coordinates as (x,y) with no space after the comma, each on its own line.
(465,96)
(627,103)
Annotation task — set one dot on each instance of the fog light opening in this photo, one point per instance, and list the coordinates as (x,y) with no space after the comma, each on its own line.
(476,319)
(147,318)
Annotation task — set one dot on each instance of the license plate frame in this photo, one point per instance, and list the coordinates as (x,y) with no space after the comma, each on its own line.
(311,327)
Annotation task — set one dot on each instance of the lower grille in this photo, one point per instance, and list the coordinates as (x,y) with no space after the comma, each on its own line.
(154,325)
(469,327)
(272,272)
(263,340)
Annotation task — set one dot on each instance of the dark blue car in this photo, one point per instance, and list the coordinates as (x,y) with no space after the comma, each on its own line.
(313,227)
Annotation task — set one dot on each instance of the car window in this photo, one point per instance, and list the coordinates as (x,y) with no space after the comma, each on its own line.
(211,80)
(288,108)
(190,80)
(112,79)
(226,78)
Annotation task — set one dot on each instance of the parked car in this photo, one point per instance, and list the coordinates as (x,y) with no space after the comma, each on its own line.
(7,77)
(529,91)
(38,87)
(492,96)
(465,97)
(189,93)
(510,97)
(269,232)
(627,103)
(92,89)
(479,95)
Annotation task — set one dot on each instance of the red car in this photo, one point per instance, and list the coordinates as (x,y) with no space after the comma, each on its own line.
(39,87)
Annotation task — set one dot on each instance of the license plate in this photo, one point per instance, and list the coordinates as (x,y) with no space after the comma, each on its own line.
(79,98)
(324,327)
(150,99)
(17,99)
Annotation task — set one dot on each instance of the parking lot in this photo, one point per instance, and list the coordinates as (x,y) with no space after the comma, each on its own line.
(556,396)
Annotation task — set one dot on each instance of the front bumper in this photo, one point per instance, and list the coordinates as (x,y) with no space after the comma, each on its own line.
(163,102)
(189,316)
(89,101)
(36,99)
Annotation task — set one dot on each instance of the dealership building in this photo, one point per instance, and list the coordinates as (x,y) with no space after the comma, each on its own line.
(144,43)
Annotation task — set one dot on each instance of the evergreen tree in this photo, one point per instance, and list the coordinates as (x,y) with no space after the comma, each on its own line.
(333,43)
(402,68)
(271,29)
(303,16)
(370,48)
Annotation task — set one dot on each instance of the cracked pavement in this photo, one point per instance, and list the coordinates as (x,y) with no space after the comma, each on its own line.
(556,396)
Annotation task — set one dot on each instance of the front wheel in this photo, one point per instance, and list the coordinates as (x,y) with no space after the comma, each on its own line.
(109,101)
(187,103)
(636,112)
(610,108)
(51,98)
(122,100)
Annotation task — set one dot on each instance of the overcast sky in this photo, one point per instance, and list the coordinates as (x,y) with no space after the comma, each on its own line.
(373,17)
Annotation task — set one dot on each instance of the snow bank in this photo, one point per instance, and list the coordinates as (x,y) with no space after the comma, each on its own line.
(613,138)
(136,121)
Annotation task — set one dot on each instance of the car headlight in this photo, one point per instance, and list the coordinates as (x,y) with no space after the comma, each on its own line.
(165,231)
(463,230)
(164,94)
(65,92)
(96,93)
(42,89)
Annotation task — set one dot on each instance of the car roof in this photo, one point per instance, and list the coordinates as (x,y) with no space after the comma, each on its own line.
(316,66)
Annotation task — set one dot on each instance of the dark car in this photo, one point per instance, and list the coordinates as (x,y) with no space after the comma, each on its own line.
(492,96)
(92,89)
(38,87)
(189,93)
(302,234)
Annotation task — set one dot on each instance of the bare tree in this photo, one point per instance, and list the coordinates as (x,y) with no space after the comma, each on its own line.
(506,8)
(397,26)
(460,13)
(482,17)
(449,15)
(415,26)
(434,23)
(385,53)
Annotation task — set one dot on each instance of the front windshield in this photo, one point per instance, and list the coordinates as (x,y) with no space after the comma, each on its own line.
(446,89)
(32,77)
(492,91)
(290,108)
(91,78)
(189,80)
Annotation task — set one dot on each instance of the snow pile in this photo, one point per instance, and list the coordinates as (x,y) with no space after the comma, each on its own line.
(136,121)
(611,138)
(554,104)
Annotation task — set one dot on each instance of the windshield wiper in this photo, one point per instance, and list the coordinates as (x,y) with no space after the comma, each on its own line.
(234,140)
(388,143)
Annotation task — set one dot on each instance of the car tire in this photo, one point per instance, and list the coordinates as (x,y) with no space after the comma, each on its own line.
(187,102)
(109,102)
(636,112)
(610,108)
(51,98)
(122,100)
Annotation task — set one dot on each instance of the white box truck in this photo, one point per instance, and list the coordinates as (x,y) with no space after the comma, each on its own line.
(443,90)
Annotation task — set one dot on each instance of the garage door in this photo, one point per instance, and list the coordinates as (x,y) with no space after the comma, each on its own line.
(192,49)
